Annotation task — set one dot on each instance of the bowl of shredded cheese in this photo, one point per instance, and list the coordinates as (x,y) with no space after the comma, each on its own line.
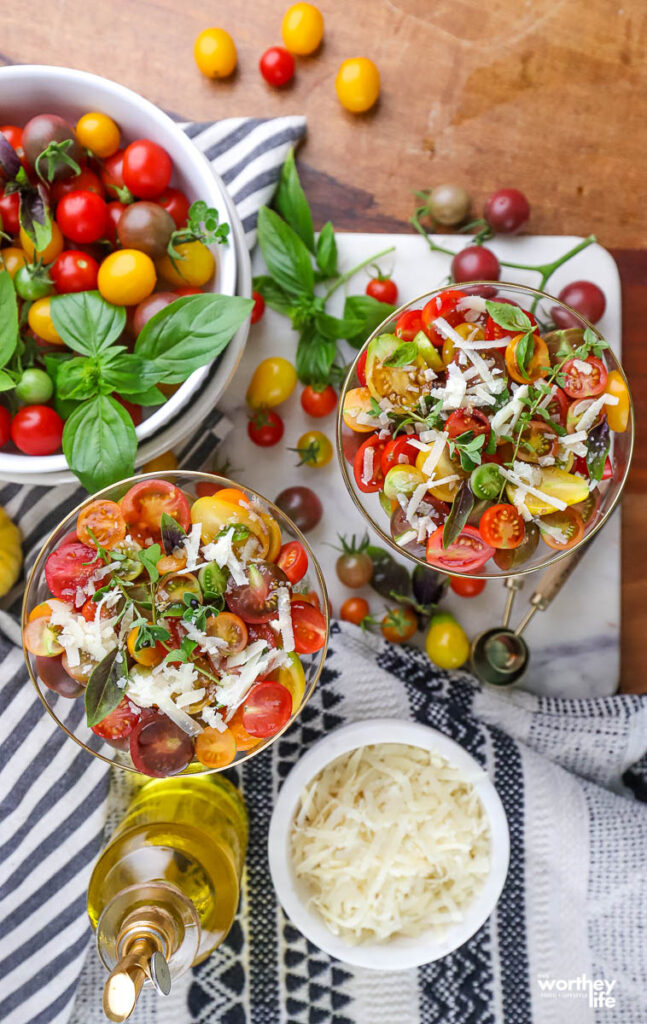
(388,845)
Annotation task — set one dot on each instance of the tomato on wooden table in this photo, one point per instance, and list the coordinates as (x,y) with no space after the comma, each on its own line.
(384,289)
(146,169)
(119,723)
(37,430)
(407,326)
(266,709)
(584,378)
(468,553)
(367,469)
(277,66)
(142,507)
(293,561)
(309,627)
(215,749)
(502,526)
(444,305)
(158,747)
(69,568)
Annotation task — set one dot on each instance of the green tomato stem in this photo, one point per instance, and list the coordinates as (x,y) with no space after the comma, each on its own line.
(349,273)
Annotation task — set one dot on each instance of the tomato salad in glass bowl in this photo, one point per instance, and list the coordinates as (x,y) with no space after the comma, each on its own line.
(493,441)
(186,613)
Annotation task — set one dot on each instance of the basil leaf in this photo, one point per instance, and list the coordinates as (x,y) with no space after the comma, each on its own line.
(330,326)
(152,396)
(35,217)
(6,381)
(315,356)
(285,254)
(524,352)
(327,251)
(9,160)
(512,318)
(86,322)
(190,333)
(8,318)
(77,378)
(129,374)
(461,507)
(292,204)
(403,354)
(365,314)
(103,692)
(149,557)
(273,294)
(173,533)
(598,444)
(99,442)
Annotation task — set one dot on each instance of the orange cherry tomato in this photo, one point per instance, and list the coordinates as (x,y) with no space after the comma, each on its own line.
(502,526)
(244,740)
(562,530)
(148,656)
(233,496)
(355,609)
(231,628)
(101,523)
(215,749)
(537,364)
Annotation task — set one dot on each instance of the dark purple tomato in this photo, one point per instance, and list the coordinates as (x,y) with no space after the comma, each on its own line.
(36,137)
(475,263)
(302,506)
(484,290)
(146,227)
(586,298)
(257,600)
(506,211)
(51,672)
(158,747)
(147,308)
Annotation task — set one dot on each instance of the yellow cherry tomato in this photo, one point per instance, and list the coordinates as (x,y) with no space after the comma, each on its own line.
(293,678)
(617,415)
(40,320)
(12,259)
(161,463)
(148,656)
(358,84)
(446,642)
(358,402)
(126,277)
(214,52)
(273,381)
(195,266)
(50,252)
(444,467)
(98,133)
(314,449)
(302,28)
(470,332)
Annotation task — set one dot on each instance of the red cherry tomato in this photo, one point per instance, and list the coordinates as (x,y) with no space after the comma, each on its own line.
(398,452)
(475,263)
(114,211)
(259,307)
(265,428)
(74,271)
(5,426)
(266,709)
(82,217)
(384,289)
(360,369)
(467,419)
(293,560)
(578,383)
(130,407)
(69,568)
(318,403)
(502,526)
(120,722)
(367,465)
(37,430)
(175,203)
(147,169)
(493,330)
(277,66)
(354,609)
(13,135)
(506,211)
(468,553)
(10,212)
(585,298)
(445,306)
(89,611)
(112,174)
(557,408)
(309,627)
(142,507)
(466,587)
(158,747)
(261,631)
(86,181)
(409,324)
(188,290)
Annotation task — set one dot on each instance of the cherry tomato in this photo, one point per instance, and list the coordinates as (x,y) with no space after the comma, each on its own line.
(302,28)
(10,212)
(114,211)
(5,426)
(302,506)
(358,84)
(262,631)
(133,410)
(538,440)
(446,643)
(40,639)
(408,325)
(68,568)
(585,298)
(215,749)
(354,567)
(54,676)
(149,306)
(37,430)
(257,600)
(38,133)
(231,628)
(618,415)
(293,561)
(277,66)
(266,709)
(468,553)
(82,216)
(464,586)
(146,226)
(309,627)
(214,52)
(384,289)
(194,265)
(101,523)
(537,365)
(142,507)
(158,747)
(502,526)
(314,449)
(51,250)
(399,625)
(176,203)
(40,320)
(557,407)
(581,383)
(475,263)
(147,169)
(120,722)
(265,428)
(34,387)
(444,305)
(188,291)
(273,381)
(367,468)
(86,181)
(259,307)
(562,530)
(494,330)
(13,135)
(89,610)
(397,452)
(462,420)
(243,739)
(98,133)
(360,369)
(74,271)
(318,403)
(354,609)
(112,174)
(506,211)
(126,277)
(148,655)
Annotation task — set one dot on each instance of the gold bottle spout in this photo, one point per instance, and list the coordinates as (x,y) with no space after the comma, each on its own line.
(147,940)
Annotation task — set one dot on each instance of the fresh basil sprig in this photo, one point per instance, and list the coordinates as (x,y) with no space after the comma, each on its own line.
(402,355)
(203,225)
(8,328)
(459,513)
(105,689)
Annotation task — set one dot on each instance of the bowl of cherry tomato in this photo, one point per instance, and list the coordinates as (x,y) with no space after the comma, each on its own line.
(121,177)
(478,436)
(175,624)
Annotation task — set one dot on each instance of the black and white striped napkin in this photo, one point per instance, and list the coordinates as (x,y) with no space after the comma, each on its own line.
(53,794)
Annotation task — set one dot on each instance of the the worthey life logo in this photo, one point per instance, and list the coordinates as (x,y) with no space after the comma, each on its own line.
(598,991)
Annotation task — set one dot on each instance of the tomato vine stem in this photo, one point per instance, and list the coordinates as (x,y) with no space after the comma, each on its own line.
(349,273)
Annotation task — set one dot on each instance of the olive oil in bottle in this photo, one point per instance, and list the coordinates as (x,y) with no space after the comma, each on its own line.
(165,890)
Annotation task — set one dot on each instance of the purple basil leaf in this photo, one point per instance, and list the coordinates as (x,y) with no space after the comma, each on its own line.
(9,161)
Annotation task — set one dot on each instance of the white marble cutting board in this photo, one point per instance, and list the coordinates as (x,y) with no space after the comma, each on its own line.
(575,643)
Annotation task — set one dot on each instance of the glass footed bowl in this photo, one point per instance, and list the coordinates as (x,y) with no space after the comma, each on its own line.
(349,441)
(68,713)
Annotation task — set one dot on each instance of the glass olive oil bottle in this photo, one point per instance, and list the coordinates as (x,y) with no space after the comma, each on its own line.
(165,890)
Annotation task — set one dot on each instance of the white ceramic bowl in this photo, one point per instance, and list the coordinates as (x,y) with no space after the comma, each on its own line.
(26,90)
(398,953)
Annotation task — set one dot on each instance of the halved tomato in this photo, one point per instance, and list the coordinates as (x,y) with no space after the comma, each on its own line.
(445,306)
(494,331)
(369,483)
(557,408)
(159,747)
(215,749)
(266,709)
(143,505)
(408,325)
(536,366)
(562,530)
(468,553)
(309,627)
(360,369)
(580,382)
(41,639)
(69,568)
(358,403)
(538,439)
(120,722)
(502,526)
(101,523)
(462,420)
(244,740)
(231,628)
(293,560)
(399,451)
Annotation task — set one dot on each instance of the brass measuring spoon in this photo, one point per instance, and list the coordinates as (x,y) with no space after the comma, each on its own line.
(499,656)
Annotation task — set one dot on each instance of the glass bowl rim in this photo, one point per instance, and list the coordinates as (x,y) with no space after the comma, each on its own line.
(208,478)
(352,371)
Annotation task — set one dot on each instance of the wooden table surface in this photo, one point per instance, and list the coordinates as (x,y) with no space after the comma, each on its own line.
(549,96)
